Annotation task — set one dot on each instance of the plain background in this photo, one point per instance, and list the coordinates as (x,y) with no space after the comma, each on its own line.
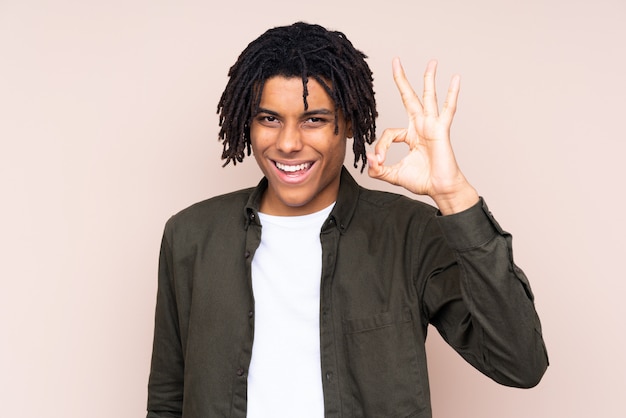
(108,127)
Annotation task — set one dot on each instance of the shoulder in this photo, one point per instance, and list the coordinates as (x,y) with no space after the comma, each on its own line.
(380,202)
(374,207)
(222,210)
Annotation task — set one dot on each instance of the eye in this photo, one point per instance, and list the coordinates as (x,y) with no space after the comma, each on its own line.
(267,120)
(316,121)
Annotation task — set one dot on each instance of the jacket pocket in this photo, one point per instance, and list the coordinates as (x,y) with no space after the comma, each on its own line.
(385,366)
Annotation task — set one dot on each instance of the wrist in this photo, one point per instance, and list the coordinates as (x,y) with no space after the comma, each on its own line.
(456,201)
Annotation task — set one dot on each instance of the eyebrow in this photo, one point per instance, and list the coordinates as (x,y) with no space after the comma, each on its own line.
(322,111)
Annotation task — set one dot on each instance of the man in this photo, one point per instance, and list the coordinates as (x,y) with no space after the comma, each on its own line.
(309,296)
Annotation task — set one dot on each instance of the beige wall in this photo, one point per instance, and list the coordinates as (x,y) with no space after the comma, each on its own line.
(108,126)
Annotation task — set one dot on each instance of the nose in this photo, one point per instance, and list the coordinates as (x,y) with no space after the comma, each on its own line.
(289,139)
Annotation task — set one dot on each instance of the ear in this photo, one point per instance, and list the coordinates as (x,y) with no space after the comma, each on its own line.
(349,133)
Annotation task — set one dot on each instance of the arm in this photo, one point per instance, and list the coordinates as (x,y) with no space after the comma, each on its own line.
(165,386)
(481,303)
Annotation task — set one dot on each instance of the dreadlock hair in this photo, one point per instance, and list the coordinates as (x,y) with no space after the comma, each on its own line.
(306,51)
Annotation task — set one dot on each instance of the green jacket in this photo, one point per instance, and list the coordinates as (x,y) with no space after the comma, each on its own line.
(391,266)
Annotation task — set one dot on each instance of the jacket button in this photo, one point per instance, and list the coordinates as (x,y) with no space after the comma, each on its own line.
(329,376)
(246,254)
(240,372)
(250,314)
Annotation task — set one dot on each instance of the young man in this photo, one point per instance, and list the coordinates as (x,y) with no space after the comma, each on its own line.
(309,296)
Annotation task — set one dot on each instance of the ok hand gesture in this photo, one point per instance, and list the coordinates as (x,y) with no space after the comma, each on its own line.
(430,167)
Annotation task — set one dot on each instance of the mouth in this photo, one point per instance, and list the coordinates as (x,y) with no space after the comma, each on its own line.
(293,169)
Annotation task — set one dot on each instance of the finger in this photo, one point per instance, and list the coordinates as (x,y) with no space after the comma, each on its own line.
(376,161)
(410,100)
(430,91)
(377,170)
(382,172)
(373,165)
(389,136)
(449,107)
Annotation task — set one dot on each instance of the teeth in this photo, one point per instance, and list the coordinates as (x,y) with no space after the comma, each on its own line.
(292,168)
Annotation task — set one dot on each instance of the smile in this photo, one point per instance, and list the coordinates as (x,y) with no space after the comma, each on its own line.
(293,168)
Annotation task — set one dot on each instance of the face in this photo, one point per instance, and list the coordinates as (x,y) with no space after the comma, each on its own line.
(297,150)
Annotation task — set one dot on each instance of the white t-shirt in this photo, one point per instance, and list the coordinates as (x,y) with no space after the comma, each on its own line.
(285,378)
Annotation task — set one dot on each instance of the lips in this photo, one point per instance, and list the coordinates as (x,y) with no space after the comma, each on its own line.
(293,168)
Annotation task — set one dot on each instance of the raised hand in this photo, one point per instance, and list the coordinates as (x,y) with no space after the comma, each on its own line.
(430,167)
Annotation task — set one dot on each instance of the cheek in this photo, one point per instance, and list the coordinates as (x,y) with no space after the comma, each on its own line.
(257,141)
(340,144)
(337,153)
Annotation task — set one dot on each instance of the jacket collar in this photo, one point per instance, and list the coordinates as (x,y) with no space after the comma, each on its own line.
(340,216)
(347,200)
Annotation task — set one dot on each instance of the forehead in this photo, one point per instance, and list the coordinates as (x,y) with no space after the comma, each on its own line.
(281,91)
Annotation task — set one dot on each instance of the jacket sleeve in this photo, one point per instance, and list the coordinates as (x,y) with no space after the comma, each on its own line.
(165,384)
(480,301)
